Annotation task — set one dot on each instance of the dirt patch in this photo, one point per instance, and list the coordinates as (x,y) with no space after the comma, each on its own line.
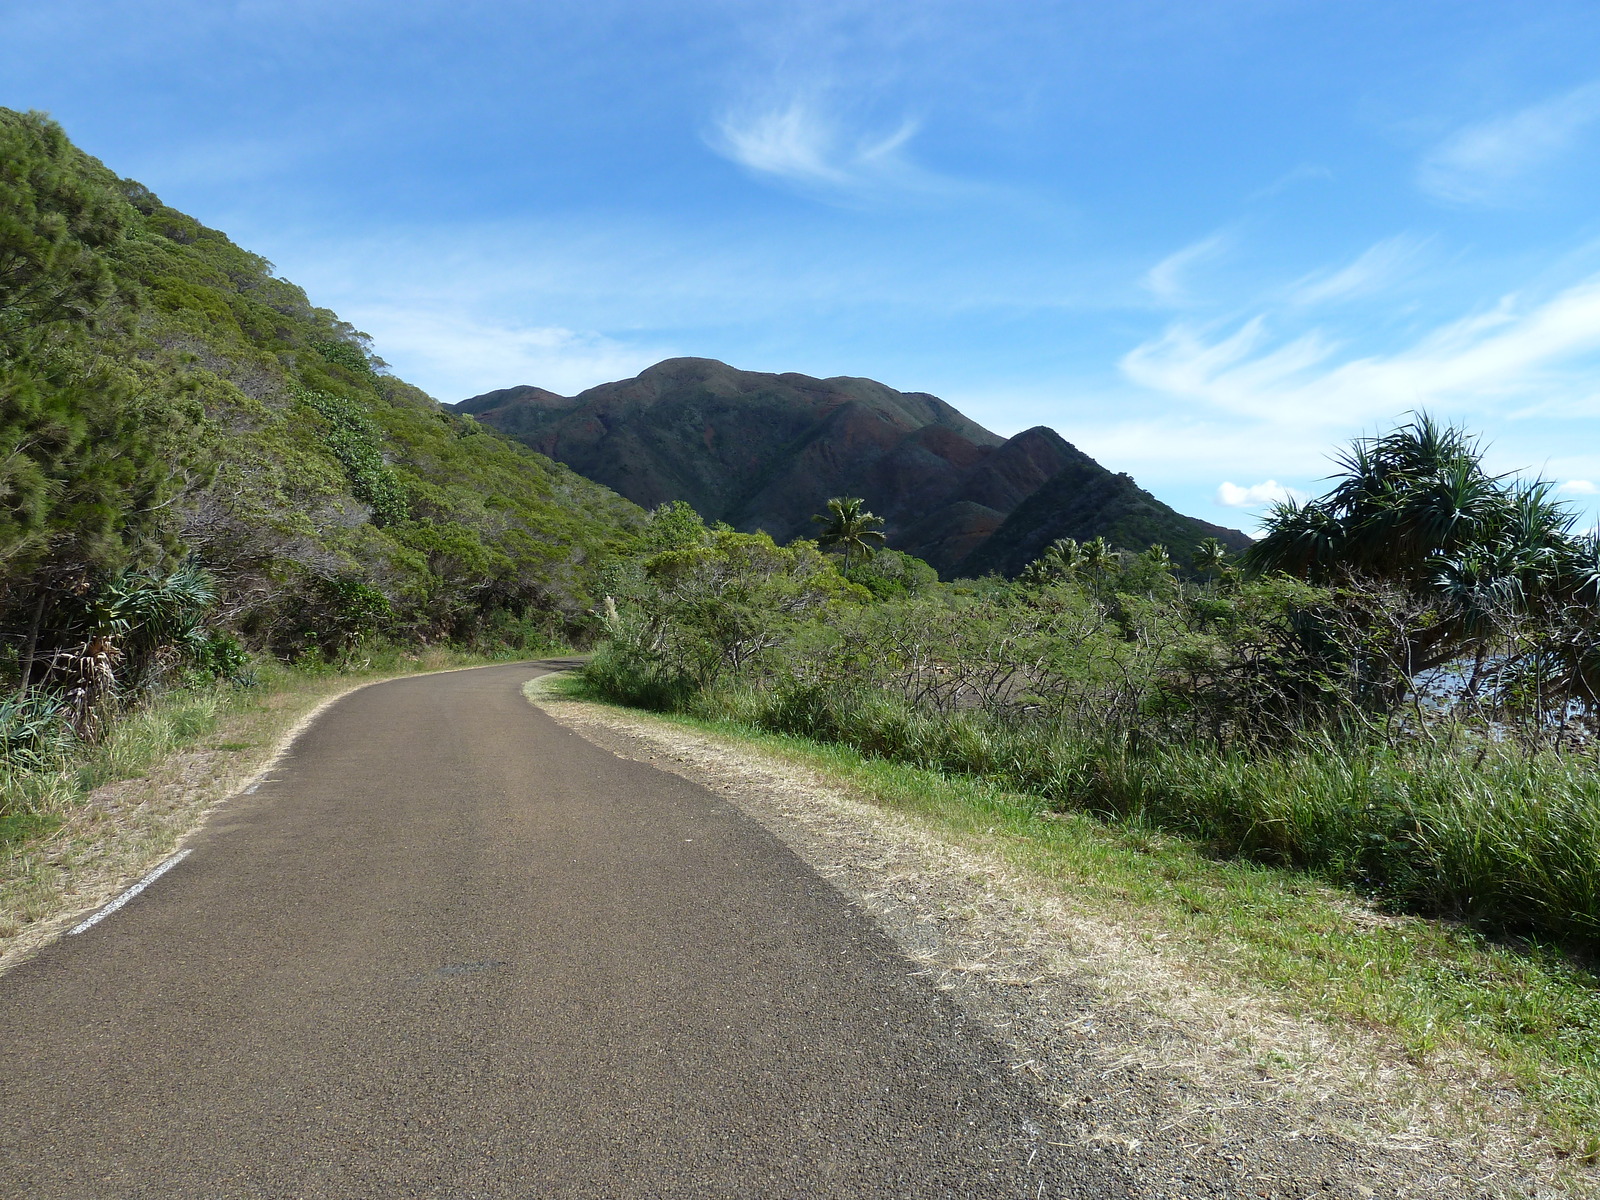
(1201,1093)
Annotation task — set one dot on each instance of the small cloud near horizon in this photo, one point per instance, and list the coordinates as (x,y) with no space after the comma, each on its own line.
(1256,495)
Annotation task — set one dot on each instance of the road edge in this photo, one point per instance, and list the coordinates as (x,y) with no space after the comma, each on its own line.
(44,932)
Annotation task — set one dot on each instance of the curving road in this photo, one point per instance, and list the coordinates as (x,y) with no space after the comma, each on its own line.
(453,950)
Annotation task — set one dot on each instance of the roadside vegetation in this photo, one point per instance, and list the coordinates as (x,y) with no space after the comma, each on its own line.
(1393,694)
(1395,690)
(204,477)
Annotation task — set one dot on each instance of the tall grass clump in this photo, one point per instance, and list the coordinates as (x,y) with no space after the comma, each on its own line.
(38,788)
(1507,841)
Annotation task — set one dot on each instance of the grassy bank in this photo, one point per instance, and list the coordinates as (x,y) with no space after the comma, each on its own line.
(75,829)
(1483,833)
(1502,1012)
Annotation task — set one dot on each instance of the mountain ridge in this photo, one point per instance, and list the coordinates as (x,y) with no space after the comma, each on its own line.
(765,450)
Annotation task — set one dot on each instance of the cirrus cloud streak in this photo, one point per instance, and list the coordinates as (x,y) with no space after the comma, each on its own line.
(1511,354)
(1488,163)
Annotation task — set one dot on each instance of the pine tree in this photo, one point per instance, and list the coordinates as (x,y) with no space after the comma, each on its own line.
(88,459)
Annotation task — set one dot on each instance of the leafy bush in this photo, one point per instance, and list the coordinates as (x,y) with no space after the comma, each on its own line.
(355,441)
(33,732)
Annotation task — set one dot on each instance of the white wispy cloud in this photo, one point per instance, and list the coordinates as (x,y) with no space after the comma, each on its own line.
(804,141)
(1255,495)
(1296,175)
(452,356)
(1166,280)
(1375,268)
(1510,354)
(1487,163)
(1580,487)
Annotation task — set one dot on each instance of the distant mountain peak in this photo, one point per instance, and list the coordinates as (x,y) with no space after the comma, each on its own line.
(765,451)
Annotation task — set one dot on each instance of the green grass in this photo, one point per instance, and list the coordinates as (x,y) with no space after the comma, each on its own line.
(1506,841)
(16,828)
(1531,1011)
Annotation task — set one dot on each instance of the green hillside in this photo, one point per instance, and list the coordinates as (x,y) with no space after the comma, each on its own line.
(166,399)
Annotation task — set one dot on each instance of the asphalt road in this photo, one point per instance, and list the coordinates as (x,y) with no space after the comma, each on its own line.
(453,950)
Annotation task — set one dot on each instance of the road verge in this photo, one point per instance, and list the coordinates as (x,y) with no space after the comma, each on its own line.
(1079,944)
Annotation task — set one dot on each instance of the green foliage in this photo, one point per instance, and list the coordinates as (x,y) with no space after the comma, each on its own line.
(889,574)
(221,656)
(144,615)
(90,451)
(1259,715)
(337,615)
(53,220)
(344,354)
(674,526)
(357,443)
(33,732)
(704,611)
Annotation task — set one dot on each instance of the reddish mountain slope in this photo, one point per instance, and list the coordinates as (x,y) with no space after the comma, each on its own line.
(763,451)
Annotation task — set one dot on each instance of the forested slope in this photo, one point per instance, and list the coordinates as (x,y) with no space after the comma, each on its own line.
(167,400)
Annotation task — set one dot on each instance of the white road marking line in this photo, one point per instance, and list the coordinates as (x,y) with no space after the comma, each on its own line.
(131,892)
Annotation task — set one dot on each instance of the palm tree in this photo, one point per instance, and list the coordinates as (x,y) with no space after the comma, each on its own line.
(1099,557)
(1159,557)
(1060,560)
(850,527)
(1067,554)
(1209,557)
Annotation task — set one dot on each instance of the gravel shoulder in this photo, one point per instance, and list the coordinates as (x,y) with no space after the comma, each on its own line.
(1195,1092)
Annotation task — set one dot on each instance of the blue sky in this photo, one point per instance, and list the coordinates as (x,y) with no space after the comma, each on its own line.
(1207,242)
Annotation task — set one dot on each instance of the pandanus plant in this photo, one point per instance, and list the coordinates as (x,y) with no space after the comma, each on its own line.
(1414,511)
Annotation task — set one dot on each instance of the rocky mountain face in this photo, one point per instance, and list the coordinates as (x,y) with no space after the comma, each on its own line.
(763,451)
